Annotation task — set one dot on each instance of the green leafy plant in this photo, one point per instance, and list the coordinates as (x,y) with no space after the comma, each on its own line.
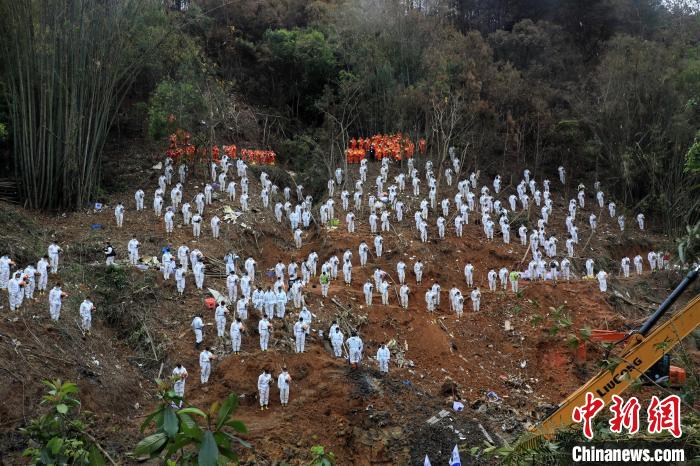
(533,448)
(692,157)
(610,364)
(557,311)
(59,437)
(182,99)
(560,319)
(585,333)
(572,341)
(689,244)
(564,321)
(321,457)
(662,346)
(177,435)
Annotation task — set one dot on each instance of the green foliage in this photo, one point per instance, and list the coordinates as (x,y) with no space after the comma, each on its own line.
(299,62)
(536,319)
(306,158)
(535,449)
(561,319)
(640,116)
(294,152)
(321,457)
(173,104)
(3,132)
(182,55)
(68,66)
(539,48)
(689,245)
(585,333)
(557,320)
(178,434)
(112,279)
(572,341)
(530,449)
(610,364)
(59,437)
(692,157)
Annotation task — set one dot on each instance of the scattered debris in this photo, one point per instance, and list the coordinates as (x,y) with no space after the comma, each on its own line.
(230,215)
(440,415)
(486,434)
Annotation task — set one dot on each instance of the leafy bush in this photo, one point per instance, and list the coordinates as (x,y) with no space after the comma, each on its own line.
(177,433)
(179,99)
(321,457)
(59,437)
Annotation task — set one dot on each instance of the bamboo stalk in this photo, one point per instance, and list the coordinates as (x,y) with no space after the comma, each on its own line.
(70,64)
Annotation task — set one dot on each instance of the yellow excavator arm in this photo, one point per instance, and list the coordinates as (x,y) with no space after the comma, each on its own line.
(644,348)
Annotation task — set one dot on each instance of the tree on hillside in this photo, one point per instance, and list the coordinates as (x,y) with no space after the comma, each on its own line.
(297,64)
(638,114)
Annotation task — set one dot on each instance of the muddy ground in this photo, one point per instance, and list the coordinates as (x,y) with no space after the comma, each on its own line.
(141,329)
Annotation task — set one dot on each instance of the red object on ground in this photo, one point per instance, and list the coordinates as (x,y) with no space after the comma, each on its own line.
(676,375)
(581,352)
(607,336)
(210,303)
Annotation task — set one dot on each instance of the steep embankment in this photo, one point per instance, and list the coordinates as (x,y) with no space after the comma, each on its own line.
(516,346)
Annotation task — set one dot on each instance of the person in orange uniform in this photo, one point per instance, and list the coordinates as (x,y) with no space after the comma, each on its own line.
(230,151)
(396,146)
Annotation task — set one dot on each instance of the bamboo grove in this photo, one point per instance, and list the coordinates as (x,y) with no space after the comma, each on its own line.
(68,66)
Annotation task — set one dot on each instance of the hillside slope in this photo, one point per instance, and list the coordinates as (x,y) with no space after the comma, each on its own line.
(515,346)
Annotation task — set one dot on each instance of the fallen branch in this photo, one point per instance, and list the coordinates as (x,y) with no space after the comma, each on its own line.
(32,333)
(36,354)
(150,340)
(343,320)
(394,287)
(520,264)
(99,447)
(403,243)
(439,321)
(619,295)
(486,434)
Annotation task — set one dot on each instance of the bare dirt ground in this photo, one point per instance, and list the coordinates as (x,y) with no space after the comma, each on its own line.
(362,416)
